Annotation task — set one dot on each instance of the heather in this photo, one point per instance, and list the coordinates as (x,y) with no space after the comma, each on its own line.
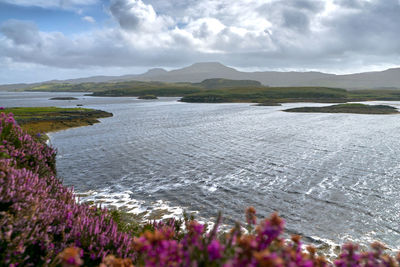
(42,224)
(39,216)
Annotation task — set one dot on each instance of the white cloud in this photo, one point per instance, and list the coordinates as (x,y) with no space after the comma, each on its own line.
(134,15)
(89,19)
(275,34)
(50,3)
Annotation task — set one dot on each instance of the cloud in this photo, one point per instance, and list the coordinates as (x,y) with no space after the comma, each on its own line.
(275,34)
(135,15)
(89,19)
(369,27)
(20,32)
(50,3)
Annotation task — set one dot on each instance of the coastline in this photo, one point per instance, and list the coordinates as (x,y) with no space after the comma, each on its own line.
(43,120)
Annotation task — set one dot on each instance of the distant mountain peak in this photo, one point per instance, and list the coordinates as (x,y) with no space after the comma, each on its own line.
(218,73)
(207,67)
(155,71)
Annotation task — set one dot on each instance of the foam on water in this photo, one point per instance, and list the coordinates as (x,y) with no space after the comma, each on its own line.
(155,210)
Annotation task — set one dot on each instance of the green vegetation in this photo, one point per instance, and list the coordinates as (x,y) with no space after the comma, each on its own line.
(383,95)
(223,90)
(134,87)
(147,97)
(131,88)
(64,87)
(348,108)
(63,98)
(49,119)
(218,83)
(269,94)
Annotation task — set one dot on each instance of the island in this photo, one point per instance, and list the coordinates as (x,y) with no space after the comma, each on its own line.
(63,98)
(268,94)
(147,97)
(37,120)
(348,108)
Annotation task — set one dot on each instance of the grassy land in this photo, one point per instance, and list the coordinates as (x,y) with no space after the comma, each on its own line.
(137,88)
(290,94)
(383,95)
(269,94)
(225,83)
(223,90)
(49,119)
(348,108)
(157,90)
(147,97)
(132,88)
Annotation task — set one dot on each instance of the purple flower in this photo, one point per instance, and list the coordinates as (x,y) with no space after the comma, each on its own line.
(215,250)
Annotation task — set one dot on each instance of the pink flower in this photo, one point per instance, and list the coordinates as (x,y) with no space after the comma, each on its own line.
(215,250)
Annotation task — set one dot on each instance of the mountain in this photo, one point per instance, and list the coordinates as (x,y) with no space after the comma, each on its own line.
(198,72)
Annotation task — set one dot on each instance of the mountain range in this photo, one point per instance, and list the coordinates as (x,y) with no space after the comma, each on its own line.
(387,79)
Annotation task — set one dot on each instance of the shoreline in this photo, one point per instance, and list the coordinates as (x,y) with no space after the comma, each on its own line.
(42,120)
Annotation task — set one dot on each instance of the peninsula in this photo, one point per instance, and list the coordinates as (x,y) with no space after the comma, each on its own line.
(49,119)
(348,108)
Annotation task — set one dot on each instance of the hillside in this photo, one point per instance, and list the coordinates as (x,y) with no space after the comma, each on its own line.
(218,83)
(198,72)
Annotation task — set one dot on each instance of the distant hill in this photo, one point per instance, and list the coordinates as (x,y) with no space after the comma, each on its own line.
(198,72)
(217,83)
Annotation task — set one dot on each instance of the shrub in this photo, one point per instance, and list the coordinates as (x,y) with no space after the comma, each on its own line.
(39,217)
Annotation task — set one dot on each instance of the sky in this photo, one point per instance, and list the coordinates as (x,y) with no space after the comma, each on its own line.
(59,39)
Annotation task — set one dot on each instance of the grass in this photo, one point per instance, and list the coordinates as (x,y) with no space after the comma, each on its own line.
(37,120)
(218,83)
(269,94)
(383,95)
(147,97)
(348,108)
(224,91)
(131,88)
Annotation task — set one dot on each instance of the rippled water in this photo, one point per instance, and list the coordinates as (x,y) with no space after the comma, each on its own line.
(331,176)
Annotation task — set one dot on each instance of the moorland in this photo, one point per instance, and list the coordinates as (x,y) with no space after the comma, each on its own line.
(224,91)
(37,120)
